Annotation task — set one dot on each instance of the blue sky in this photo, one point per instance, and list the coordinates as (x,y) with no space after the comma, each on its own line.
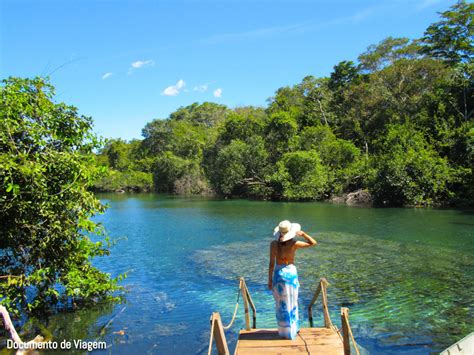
(127,62)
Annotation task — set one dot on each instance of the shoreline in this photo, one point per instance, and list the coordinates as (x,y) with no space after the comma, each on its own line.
(334,200)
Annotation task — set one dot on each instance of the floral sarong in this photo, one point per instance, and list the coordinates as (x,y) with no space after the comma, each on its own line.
(285,292)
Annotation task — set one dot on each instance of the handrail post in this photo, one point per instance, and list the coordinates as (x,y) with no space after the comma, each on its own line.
(218,334)
(313,300)
(254,310)
(321,289)
(246,303)
(327,318)
(345,330)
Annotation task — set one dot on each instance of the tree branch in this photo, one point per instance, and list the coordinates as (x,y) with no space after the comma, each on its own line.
(9,327)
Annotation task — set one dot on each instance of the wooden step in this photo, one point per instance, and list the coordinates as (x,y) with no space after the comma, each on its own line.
(267,341)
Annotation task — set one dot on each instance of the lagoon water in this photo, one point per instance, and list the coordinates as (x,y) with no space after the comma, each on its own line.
(407,275)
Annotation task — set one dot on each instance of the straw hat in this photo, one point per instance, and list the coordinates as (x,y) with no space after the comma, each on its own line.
(287,230)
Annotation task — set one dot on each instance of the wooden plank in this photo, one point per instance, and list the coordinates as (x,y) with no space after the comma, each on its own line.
(287,342)
(267,341)
(312,339)
(324,350)
(273,350)
(302,331)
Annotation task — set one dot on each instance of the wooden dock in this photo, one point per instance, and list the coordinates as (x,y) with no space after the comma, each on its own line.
(310,340)
(328,340)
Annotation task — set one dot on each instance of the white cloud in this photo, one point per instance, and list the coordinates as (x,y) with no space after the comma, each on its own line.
(217,92)
(107,75)
(142,63)
(201,88)
(174,90)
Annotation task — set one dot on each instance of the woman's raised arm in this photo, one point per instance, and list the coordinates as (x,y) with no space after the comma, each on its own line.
(308,243)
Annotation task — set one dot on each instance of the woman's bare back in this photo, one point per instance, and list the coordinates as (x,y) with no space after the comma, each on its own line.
(285,252)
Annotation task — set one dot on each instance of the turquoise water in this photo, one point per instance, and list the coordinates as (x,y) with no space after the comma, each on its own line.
(407,275)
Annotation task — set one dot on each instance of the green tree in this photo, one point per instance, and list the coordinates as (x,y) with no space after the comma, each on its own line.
(118,154)
(131,180)
(46,167)
(188,140)
(181,136)
(316,98)
(424,85)
(341,157)
(156,135)
(281,132)
(400,92)
(410,172)
(241,168)
(386,52)
(231,167)
(286,99)
(343,74)
(451,38)
(174,174)
(300,176)
(242,123)
(207,114)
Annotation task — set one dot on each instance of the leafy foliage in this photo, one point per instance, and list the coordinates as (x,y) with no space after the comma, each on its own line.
(46,167)
(300,175)
(174,174)
(451,38)
(342,158)
(241,168)
(410,171)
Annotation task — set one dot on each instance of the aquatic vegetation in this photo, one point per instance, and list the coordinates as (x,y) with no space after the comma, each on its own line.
(398,293)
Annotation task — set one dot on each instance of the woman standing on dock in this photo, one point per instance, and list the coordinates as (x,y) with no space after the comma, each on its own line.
(283,279)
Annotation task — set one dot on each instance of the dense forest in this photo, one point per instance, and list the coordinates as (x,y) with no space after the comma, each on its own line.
(397,123)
